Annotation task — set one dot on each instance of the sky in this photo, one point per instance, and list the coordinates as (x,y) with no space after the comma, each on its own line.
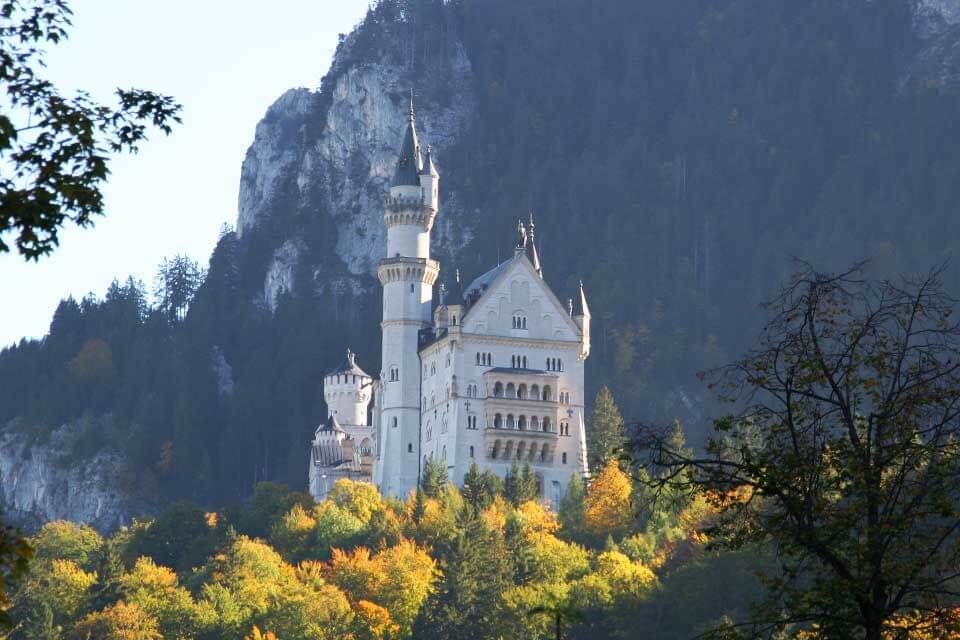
(226,61)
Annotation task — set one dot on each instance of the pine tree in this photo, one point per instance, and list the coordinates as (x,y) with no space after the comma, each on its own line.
(435,479)
(475,491)
(526,485)
(573,507)
(604,429)
(476,574)
(110,569)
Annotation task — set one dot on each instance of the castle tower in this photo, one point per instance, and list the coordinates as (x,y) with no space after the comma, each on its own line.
(407,275)
(346,391)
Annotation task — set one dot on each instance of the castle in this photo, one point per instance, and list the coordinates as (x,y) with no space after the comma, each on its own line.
(493,373)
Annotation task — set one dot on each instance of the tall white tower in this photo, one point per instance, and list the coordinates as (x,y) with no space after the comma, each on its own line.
(407,274)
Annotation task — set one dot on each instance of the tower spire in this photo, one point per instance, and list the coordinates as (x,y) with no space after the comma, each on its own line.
(410,162)
(532,252)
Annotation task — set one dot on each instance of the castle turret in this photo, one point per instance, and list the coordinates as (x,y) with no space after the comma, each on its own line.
(346,389)
(407,274)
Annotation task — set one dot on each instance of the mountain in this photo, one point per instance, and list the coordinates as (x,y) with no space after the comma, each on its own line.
(676,156)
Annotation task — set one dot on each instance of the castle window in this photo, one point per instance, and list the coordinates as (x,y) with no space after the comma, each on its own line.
(534,423)
(394,425)
(409,447)
(454,320)
(545,425)
(519,322)
(543,453)
(511,424)
(498,421)
(489,360)
(535,391)
(522,392)
(433,369)
(444,452)
(411,288)
(471,451)
(394,374)
(524,362)
(563,457)
(478,358)
(511,390)
(522,423)
(498,390)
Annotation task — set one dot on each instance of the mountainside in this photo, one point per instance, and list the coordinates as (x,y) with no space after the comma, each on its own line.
(676,156)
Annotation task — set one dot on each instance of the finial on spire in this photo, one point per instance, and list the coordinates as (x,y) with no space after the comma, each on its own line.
(521,235)
(531,226)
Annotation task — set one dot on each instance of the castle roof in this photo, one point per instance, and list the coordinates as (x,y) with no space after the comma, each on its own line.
(409,163)
(483,282)
(428,165)
(331,425)
(582,309)
(349,366)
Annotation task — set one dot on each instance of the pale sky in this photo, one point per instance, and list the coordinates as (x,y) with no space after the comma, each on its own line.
(226,61)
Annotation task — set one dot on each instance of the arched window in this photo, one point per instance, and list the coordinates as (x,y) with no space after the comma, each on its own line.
(454,320)
(511,390)
(394,425)
(478,358)
(489,359)
(471,451)
(433,369)
(498,421)
(496,450)
(563,457)
(524,323)
(559,364)
(522,392)
(534,423)
(409,447)
(545,425)
(444,452)
(498,390)
(511,424)
(543,454)
(535,392)
(522,423)
(524,362)
(547,393)
(411,288)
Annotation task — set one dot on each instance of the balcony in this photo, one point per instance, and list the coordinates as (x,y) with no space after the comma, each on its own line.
(522,446)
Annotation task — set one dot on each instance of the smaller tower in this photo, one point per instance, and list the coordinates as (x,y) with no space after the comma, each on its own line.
(346,391)
(532,252)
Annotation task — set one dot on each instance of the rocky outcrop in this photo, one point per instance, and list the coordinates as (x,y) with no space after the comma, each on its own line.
(343,171)
(38,484)
(937,64)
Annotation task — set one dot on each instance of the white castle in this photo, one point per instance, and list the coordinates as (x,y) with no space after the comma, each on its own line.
(492,374)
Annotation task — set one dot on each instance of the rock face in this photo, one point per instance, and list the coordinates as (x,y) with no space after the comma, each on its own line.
(937,23)
(38,485)
(343,172)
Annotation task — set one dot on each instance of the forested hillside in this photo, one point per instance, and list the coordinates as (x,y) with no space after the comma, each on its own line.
(676,155)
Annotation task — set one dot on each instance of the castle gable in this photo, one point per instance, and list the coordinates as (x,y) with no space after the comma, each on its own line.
(514,301)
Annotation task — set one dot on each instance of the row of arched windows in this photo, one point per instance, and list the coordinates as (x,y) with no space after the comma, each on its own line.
(522,451)
(521,392)
(471,422)
(484,359)
(519,322)
(518,362)
(564,428)
(472,391)
(554,364)
(394,374)
(522,423)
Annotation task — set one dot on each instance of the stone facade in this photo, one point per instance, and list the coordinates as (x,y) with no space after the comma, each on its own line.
(492,374)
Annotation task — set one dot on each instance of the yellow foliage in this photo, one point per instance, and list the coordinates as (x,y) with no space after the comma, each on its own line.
(374,622)
(556,561)
(399,578)
(59,584)
(495,516)
(361,499)
(537,520)
(624,576)
(609,510)
(155,589)
(255,634)
(122,621)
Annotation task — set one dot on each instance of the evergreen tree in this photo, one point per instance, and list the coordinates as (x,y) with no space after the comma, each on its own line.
(475,491)
(604,429)
(109,568)
(435,479)
(526,485)
(573,507)
(476,574)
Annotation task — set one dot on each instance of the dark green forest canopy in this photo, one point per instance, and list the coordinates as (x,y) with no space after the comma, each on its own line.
(677,156)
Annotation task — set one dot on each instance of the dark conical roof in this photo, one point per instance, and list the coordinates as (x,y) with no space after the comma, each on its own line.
(349,365)
(331,425)
(410,162)
(428,166)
